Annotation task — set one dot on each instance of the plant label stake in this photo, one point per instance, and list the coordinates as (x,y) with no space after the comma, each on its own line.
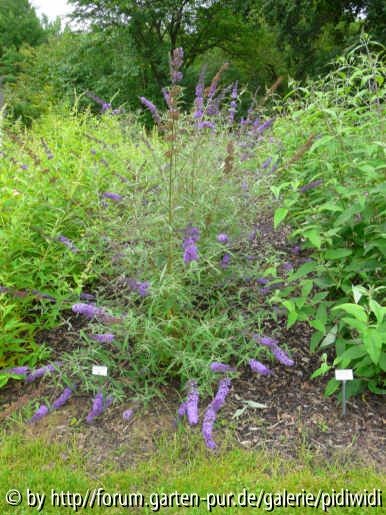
(344,374)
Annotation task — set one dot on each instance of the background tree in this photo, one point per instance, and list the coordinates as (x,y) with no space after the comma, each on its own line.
(18,24)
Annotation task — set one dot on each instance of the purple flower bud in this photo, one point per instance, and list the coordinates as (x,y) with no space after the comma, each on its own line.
(311,185)
(97,407)
(60,401)
(40,372)
(68,243)
(103,338)
(193,233)
(222,238)
(207,427)
(265,340)
(87,296)
(88,310)
(296,249)
(225,260)
(18,371)
(192,404)
(181,410)
(152,108)
(223,390)
(191,253)
(221,367)
(282,357)
(41,412)
(143,288)
(266,163)
(288,266)
(112,196)
(126,415)
(205,125)
(262,280)
(259,368)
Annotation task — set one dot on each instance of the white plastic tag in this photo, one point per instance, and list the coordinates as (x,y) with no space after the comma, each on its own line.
(99,371)
(344,374)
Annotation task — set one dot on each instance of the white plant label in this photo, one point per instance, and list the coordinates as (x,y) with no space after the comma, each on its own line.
(99,371)
(344,374)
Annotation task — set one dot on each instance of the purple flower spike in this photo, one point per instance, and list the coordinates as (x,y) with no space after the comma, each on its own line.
(87,296)
(206,125)
(40,372)
(266,163)
(143,288)
(223,390)
(211,412)
(41,412)
(97,407)
(68,243)
(103,338)
(311,185)
(221,367)
(60,401)
(225,260)
(262,280)
(181,410)
(152,108)
(88,310)
(112,196)
(288,266)
(282,357)
(192,405)
(126,415)
(261,128)
(266,340)
(191,252)
(259,368)
(192,233)
(207,427)
(18,371)
(24,167)
(222,238)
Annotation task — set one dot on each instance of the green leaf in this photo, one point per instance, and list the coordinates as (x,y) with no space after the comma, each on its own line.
(378,310)
(354,352)
(357,292)
(373,341)
(314,236)
(331,387)
(318,325)
(353,309)
(302,271)
(307,287)
(292,317)
(320,142)
(330,337)
(354,323)
(315,339)
(280,214)
(337,253)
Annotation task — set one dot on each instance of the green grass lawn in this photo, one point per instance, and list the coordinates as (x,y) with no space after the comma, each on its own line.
(34,464)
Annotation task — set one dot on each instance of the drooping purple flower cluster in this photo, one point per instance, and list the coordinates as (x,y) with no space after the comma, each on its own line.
(88,310)
(17,371)
(311,185)
(175,65)
(221,367)
(259,368)
(212,410)
(112,196)
(127,414)
(40,372)
(105,106)
(68,243)
(48,152)
(206,124)
(99,406)
(103,338)
(262,127)
(41,412)
(279,354)
(142,288)
(192,235)
(266,163)
(222,238)
(225,261)
(152,108)
(199,100)
(191,405)
(233,104)
(62,399)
